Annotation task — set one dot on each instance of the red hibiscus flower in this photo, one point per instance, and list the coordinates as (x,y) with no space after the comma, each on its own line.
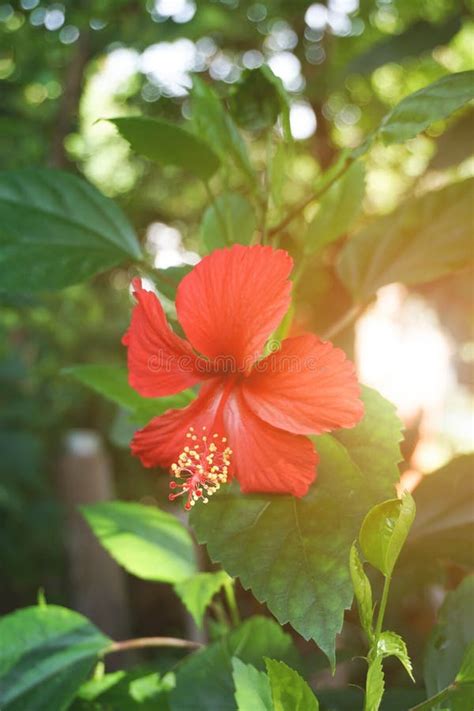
(252,413)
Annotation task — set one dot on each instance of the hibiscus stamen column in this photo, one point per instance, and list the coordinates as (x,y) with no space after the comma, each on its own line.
(202,467)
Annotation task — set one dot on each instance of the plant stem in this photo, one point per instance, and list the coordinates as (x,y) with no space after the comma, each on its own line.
(311,198)
(232,602)
(346,319)
(220,215)
(383,605)
(440,696)
(266,186)
(140,642)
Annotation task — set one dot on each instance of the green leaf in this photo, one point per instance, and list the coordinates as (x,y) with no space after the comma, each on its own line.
(45,655)
(218,128)
(362,591)
(450,640)
(289,690)
(167,280)
(466,673)
(230,219)
(381,431)
(417,39)
(294,553)
(375,685)
(444,524)
(204,679)
(255,100)
(168,144)
(390,644)
(423,239)
(197,592)
(252,689)
(147,542)
(112,383)
(140,688)
(456,144)
(384,531)
(57,230)
(337,210)
(421,109)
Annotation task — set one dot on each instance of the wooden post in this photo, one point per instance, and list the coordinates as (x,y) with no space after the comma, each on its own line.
(98,585)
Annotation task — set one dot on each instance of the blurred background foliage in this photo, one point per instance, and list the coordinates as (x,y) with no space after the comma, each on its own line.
(343,65)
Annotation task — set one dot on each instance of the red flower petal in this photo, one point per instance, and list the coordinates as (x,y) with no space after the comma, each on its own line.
(307,387)
(233,299)
(267,459)
(160,443)
(159,362)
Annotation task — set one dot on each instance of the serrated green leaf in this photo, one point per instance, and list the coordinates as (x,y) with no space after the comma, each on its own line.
(362,591)
(289,690)
(57,230)
(216,125)
(229,220)
(432,103)
(381,428)
(294,553)
(196,593)
(375,685)
(147,542)
(390,644)
(204,679)
(112,383)
(168,144)
(384,531)
(252,688)
(424,238)
(46,653)
(337,210)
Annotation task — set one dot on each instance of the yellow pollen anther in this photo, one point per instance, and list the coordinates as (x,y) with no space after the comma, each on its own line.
(204,468)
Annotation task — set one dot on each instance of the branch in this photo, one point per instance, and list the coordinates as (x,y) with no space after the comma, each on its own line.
(307,201)
(140,642)
(346,320)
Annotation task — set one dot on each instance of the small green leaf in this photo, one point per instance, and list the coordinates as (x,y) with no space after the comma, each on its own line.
(384,531)
(424,238)
(147,542)
(168,144)
(112,383)
(57,230)
(197,592)
(289,690)
(230,219)
(362,591)
(390,644)
(337,211)
(216,125)
(140,688)
(432,103)
(204,679)
(46,653)
(252,688)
